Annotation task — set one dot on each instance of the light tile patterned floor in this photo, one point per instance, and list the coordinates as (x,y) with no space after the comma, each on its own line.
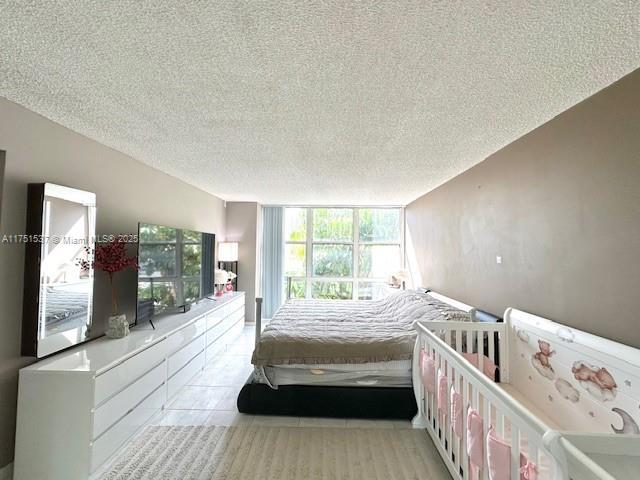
(210,397)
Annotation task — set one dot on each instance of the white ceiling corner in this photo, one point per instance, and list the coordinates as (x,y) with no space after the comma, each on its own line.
(372,102)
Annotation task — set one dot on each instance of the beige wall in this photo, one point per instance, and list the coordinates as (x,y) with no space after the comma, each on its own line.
(2,161)
(561,205)
(243,226)
(39,150)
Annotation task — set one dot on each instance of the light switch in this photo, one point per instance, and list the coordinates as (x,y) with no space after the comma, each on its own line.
(499,260)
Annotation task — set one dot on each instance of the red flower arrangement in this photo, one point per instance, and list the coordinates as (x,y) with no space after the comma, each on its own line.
(110,257)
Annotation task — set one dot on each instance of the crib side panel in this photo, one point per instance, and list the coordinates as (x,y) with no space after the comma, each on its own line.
(583,382)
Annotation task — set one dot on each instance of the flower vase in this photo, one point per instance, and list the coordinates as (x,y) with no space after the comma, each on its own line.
(219,290)
(117,326)
(229,287)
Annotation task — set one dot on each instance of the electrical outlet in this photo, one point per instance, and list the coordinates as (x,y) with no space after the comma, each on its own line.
(499,260)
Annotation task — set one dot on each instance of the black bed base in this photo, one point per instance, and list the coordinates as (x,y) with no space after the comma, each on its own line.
(322,401)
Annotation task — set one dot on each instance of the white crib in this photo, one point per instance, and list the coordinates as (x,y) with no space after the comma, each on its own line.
(550,379)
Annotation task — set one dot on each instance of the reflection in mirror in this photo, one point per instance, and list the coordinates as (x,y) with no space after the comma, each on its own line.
(64,220)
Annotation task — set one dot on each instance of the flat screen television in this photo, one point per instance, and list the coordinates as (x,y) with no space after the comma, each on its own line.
(176,269)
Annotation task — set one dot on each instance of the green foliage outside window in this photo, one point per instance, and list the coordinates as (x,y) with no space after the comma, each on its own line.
(298,287)
(379,225)
(191,260)
(295,224)
(332,290)
(332,260)
(158,260)
(162,292)
(157,233)
(295,260)
(335,224)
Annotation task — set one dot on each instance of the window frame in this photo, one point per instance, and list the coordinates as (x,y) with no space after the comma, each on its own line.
(355,243)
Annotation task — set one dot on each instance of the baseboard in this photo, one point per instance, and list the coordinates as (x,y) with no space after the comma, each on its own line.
(6,472)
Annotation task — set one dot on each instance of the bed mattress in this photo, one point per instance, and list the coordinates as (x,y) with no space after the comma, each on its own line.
(395,373)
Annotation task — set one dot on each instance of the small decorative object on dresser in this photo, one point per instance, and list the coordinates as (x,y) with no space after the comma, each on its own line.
(232,277)
(220,278)
(112,258)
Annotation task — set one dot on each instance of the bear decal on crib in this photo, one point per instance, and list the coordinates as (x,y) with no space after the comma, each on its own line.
(540,360)
(597,381)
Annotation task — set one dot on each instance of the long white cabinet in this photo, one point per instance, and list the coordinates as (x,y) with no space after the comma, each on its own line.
(77,408)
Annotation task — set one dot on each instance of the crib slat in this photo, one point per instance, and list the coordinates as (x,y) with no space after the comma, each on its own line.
(454,438)
(499,423)
(515,451)
(435,413)
(458,341)
(492,352)
(465,402)
(446,418)
(533,452)
(480,346)
(447,337)
(486,415)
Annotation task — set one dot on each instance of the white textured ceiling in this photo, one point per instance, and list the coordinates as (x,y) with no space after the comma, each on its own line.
(370,102)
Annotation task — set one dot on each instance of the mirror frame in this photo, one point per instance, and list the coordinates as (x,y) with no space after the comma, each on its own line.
(34,343)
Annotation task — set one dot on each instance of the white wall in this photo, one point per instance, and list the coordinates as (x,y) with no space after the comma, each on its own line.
(244,226)
(38,150)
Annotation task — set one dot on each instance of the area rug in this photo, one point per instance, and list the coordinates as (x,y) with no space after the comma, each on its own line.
(282,453)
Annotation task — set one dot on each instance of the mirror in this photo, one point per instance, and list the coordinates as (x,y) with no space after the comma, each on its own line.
(58,297)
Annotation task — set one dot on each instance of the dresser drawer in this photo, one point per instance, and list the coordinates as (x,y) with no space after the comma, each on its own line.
(120,404)
(220,345)
(185,335)
(235,305)
(182,377)
(214,333)
(183,356)
(238,313)
(215,317)
(120,376)
(112,439)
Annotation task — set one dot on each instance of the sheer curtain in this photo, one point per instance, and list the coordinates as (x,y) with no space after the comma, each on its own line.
(272,259)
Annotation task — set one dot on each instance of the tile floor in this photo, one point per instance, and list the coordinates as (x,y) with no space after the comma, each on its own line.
(210,397)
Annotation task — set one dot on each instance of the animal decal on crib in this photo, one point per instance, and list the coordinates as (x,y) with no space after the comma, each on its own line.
(540,360)
(597,381)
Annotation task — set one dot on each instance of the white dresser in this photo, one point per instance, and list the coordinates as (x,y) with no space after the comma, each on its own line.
(75,409)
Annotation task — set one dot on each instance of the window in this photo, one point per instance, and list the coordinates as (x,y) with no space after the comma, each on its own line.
(341,253)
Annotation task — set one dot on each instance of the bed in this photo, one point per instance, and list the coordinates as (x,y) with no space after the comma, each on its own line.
(327,358)
(553,380)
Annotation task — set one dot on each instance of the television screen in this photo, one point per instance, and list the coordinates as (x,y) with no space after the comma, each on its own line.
(176,268)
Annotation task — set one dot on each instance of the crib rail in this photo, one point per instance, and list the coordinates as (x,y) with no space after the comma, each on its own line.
(445,342)
(595,456)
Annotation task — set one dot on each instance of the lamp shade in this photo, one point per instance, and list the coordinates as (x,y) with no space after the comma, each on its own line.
(228,252)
